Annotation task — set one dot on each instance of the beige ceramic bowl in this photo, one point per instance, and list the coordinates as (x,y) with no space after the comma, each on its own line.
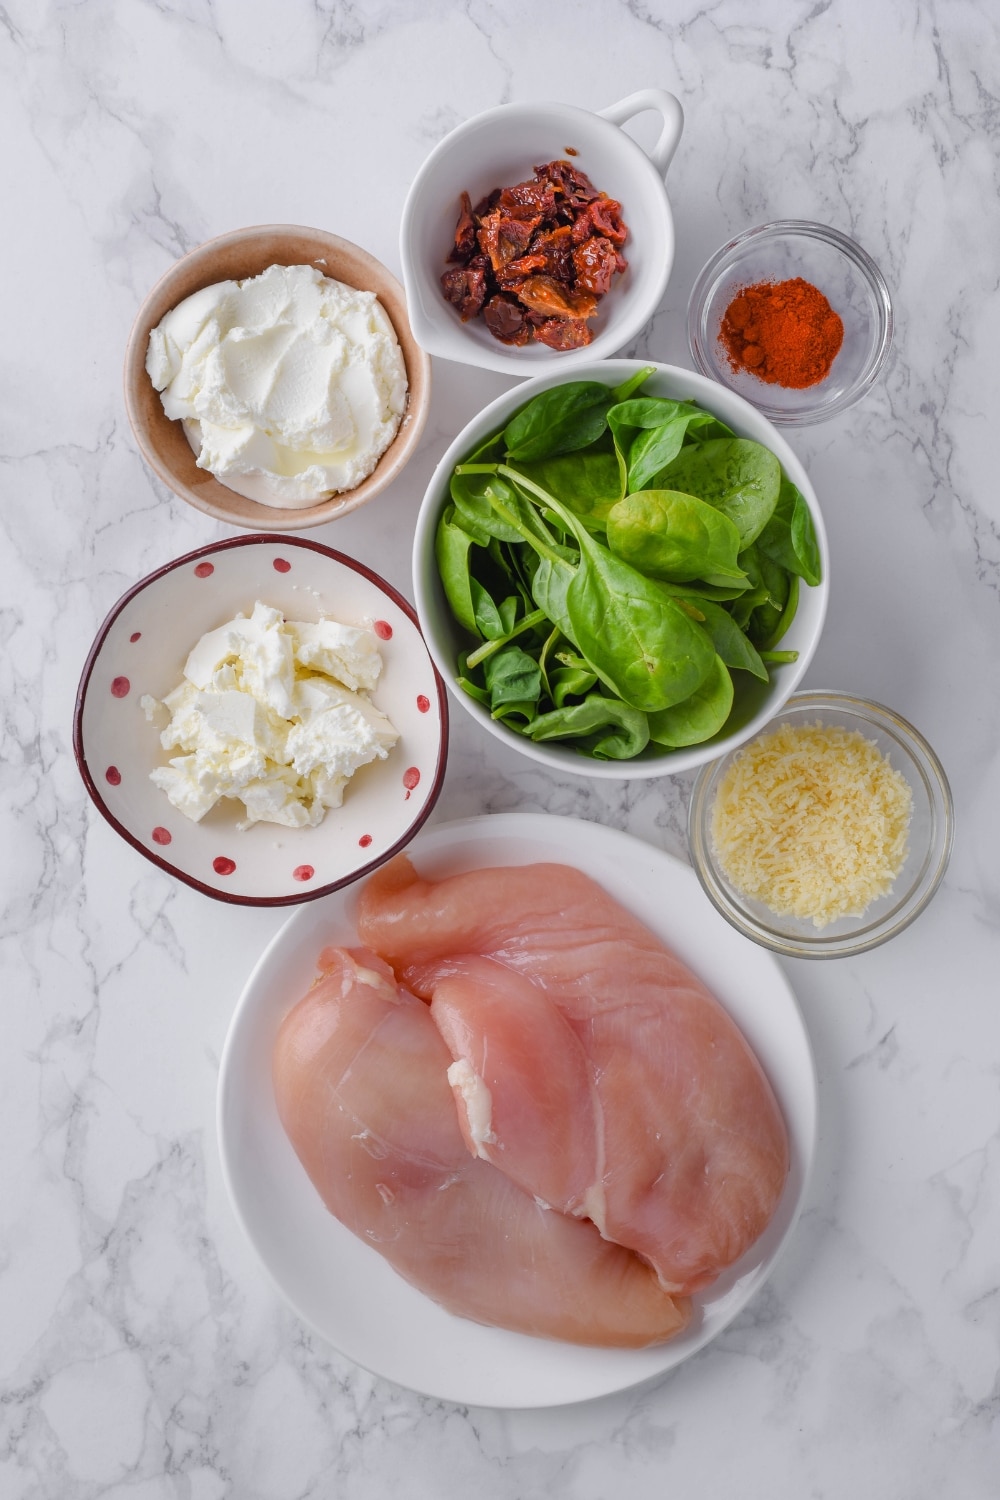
(235,256)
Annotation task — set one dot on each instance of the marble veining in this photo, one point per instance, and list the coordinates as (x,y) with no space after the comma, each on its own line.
(143,1353)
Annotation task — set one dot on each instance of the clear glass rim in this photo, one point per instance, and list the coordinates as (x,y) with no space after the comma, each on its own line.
(719,263)
(910,905)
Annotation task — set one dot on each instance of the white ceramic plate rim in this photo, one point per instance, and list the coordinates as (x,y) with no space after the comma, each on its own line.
(301,1245)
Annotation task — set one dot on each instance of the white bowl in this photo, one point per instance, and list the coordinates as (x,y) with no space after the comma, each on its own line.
(141,648)
(756,703)
(232,257)
(502,147)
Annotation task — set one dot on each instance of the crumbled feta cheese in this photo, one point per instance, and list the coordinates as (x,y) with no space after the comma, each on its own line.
(275,714)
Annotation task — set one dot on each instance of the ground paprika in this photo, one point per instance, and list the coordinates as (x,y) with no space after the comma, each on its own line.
(784,332)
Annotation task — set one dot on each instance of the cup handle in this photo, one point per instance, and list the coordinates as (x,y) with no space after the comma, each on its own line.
(673,121)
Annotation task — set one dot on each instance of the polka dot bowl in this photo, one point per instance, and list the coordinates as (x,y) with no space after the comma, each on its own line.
(142,647)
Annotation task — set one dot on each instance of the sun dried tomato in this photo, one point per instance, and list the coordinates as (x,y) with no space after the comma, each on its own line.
(543,294)
(526,265)
(503,238)
(484,206)
(507,321)
(465,233)
(465,286)
(595,262)
(564,333)
(556,245)
(574,183)
(527,198)
(536,256)
(606,217)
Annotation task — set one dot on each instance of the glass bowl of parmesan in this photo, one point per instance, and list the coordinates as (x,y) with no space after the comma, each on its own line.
(828,832)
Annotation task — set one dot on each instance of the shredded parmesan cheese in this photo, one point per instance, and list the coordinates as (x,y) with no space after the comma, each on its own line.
(812,820)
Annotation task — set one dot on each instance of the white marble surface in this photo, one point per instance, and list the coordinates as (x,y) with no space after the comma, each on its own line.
(142,1352)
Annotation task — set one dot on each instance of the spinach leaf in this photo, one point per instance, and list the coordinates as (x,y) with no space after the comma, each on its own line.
(451,549)
(470,493)
(789,537)
(707,432)
(699,590)
(637,639)
(699,716)
(469,683)
(549,588)
(473,689)
(589,482)
(628,729)
(513,676)
(570,682)
(742,609)
(768,624)
(512,508)
(740,478)
(775,583)
(531,621)
(559,420)
(517,716)
(624,391)
(643,411)
(726,636)
(655,448)
(674,536)
(490,450)
(493,621)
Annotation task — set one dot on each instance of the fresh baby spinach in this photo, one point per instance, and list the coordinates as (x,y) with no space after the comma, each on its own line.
(589,483)
(789,537)
(676,537)
(512,676)
(560,420)
(614,558)
(700,716)
(740,478)
(611,729)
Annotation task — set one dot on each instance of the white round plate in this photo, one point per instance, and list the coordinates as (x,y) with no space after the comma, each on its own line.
(341,1287)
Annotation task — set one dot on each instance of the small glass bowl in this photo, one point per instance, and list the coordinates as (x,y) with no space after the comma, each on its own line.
(843,272)
(931,833)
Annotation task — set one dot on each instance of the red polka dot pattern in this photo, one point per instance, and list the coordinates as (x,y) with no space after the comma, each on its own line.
(303,872)
(423,703)
(365,840)
(383,630)
(120,687)
(162,836)
(113,776)
(411,778)
(282,565)
(204,570)
(136,634)
(223,865)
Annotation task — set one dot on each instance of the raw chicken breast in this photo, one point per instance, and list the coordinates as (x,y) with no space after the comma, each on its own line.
(521,1079)
(685,1149)
(360,1078)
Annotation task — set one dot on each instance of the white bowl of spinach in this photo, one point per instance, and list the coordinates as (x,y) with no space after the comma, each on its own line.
(623,574)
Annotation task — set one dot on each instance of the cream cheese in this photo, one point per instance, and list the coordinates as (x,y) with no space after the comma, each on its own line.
(290,385)
(280,725)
